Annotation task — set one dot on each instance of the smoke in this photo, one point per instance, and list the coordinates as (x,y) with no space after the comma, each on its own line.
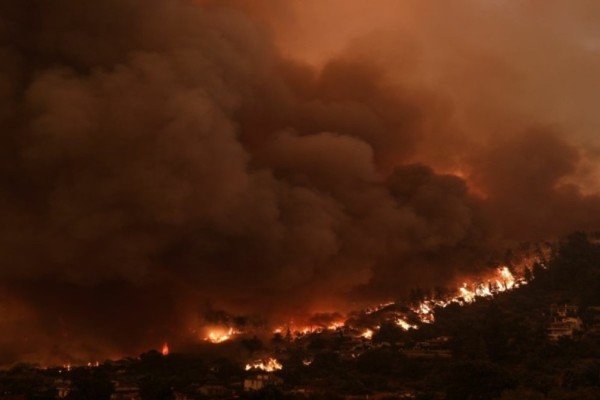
(161,160)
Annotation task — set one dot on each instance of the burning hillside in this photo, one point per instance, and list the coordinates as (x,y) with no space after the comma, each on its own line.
(411,314)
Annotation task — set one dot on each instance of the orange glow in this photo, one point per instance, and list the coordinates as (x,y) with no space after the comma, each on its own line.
(487,285)
(296,331)
(219,334)
(404,325)
(270,365)
(367,334)
(498,281)
(336,325)
(165,349)
(378,307)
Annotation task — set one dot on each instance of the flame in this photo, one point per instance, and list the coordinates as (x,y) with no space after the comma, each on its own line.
(270,365)
(336,325)
(378,307)
(367,334)
(308,329)
(501,281)
(220,335)
(298,331)
(165,349)
(404,325)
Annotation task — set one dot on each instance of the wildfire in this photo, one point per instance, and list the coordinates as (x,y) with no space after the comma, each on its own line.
(270,365)
(336,325)
(367,334)
(298,331)
(165,349)
(220,335)
(378,307)
(501,281)
(404,325)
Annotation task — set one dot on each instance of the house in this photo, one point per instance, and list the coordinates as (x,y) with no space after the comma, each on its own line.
(126,392)
(214,391)
(565,321)
(564,327)
(63,388)
(260,381)
(563,311)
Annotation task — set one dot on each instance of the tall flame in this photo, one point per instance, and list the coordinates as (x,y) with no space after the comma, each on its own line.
(165,349)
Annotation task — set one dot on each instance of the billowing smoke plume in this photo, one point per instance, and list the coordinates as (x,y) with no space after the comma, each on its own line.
(162,159)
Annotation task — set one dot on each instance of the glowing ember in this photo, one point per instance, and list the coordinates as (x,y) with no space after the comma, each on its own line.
(165,349)
(270,365)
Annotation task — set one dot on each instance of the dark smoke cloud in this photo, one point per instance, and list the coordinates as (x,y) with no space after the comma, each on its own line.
(163,160)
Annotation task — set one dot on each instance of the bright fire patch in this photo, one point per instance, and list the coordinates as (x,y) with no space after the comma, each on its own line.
(270,365)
